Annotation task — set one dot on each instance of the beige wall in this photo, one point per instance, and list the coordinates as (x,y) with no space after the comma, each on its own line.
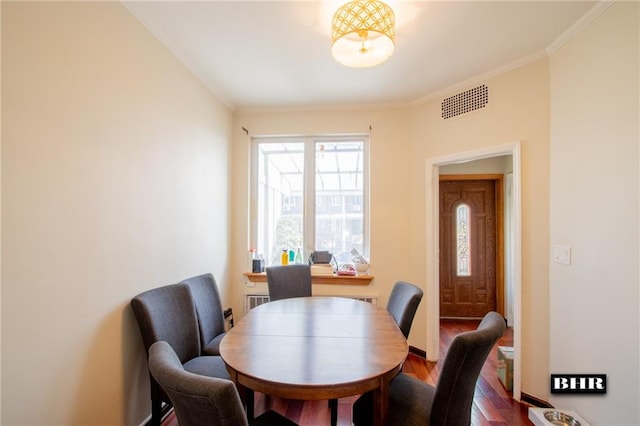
(518,110)
(115,177)
(594,311)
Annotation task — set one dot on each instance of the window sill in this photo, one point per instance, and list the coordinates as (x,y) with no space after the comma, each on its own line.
(319,279)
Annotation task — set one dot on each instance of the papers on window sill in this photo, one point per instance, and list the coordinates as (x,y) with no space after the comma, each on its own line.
(321,269)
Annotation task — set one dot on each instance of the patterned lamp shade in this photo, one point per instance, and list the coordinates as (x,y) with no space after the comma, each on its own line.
(362,33)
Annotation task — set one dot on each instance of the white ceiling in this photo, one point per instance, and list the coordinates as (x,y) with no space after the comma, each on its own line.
(266,54)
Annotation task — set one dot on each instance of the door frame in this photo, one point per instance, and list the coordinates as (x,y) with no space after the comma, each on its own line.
(498,180)
(432,288)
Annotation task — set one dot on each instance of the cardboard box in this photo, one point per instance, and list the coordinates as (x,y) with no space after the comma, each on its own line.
(505,366)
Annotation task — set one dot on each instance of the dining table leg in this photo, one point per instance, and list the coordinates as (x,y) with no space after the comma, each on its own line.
(333,406)
(249,402)
(246,395)
(381,403)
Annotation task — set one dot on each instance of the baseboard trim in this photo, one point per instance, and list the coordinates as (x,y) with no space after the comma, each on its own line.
(166,410)
(418,352)
(532,400)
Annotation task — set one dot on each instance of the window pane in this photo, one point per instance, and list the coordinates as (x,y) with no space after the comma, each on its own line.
(324,209)
(463,240)
(339,194)
(280,198)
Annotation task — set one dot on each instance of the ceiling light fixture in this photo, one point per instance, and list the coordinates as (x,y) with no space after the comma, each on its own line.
(362,33)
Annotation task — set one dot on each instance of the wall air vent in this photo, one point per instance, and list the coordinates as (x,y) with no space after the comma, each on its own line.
(464,102)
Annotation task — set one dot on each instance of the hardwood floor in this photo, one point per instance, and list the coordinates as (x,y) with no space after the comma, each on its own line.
(492,404)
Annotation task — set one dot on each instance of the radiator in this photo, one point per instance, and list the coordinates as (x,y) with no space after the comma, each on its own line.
(253,300)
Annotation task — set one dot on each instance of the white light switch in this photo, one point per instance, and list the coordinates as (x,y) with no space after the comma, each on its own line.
(561,254)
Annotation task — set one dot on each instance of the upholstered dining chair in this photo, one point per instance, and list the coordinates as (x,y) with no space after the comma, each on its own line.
(403,304)
(209,310)
(200,400)
(288,281)
(169,314)
(413,402)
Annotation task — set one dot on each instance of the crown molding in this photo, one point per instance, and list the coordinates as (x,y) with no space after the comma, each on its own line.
(482,78)
(567,35)
(581,23)
(138,14)
(320,108)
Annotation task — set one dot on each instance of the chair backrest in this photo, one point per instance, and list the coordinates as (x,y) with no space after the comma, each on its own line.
(208,306)
(168,314)
(403,304)
(289,281)
(197,400)
(460,370)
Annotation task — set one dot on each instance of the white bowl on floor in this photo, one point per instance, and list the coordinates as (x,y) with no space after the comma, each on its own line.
(555,417)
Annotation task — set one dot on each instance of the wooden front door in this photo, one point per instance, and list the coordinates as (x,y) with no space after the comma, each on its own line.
(469,246)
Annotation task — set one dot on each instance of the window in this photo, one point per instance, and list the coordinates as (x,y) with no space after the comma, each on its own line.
(292,208)
(463,241)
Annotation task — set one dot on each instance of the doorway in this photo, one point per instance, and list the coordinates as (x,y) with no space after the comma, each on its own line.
(513,250)
(471,245)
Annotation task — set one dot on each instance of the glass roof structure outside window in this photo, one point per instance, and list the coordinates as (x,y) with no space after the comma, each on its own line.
(285,213)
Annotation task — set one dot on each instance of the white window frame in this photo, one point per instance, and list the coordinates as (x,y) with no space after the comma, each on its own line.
(308,199)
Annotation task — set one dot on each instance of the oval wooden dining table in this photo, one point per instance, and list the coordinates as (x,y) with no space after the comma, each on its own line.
(316,348)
